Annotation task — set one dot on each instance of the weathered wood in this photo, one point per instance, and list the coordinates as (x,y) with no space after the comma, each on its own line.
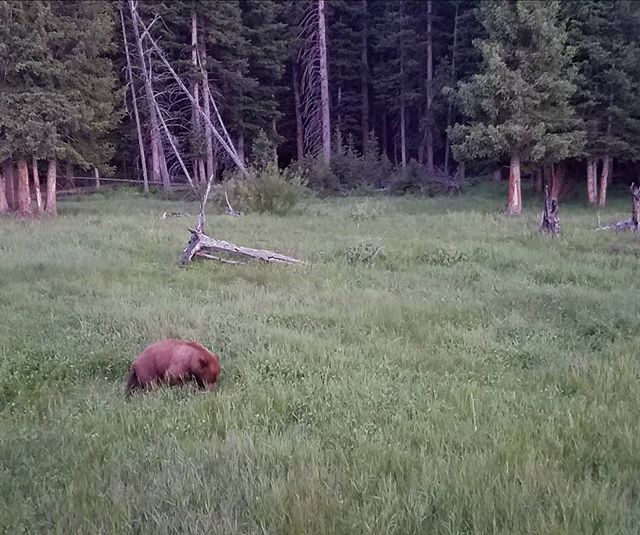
(550,222)
(631,223)
(36,185)
(202,245)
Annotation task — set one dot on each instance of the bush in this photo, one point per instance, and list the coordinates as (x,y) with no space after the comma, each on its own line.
(348,171)
(267,190)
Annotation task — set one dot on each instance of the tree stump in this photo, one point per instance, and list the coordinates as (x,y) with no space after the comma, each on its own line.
(550,223)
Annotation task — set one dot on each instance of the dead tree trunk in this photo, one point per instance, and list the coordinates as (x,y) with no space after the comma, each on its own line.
(604,179)
(10,184)
(196,112)
(515,193)
(324,84)
(592,185)
(364,79)
(52,171)
(206,97)
(550,222)
(134,100)
(154,131)
(631,223)
(36,186)
(201,245)
(4,205)
(24,197)
(240,147)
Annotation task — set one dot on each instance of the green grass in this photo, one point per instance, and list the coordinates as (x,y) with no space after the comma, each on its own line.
(435,368)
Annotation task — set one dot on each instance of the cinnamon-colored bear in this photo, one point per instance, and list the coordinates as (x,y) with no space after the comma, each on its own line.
(173,362)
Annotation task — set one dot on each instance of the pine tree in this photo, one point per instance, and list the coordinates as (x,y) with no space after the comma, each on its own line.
(399,51)
(345,22)
(267,51)
(57,93)
(605,35)
(518,104)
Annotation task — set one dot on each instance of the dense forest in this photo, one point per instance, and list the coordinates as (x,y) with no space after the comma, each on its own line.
(374,94)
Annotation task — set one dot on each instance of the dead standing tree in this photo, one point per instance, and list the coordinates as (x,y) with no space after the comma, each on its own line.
(550,223)
(201,245)
(314,86)
(631,223)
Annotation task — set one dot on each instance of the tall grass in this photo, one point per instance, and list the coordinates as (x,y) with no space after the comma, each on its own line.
(434,368)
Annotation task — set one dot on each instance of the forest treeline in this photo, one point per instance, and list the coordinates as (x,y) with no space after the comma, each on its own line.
(357,93)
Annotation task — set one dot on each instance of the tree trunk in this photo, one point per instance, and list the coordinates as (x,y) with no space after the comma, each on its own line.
(429,132)
(403,141)
(4,205)
(36,186)
(68,177)
(134,99)
(24,196)
(385,145)
(202,170)
(364,80)
(154,131)
(604,179)
(539,185)
(10,184)
(298,111)
(195,105)
(515,194)
(592,185)
(339,118)
(52,171)
(550,222)
(635,206)
(274,133)
(206,91)
(241,147)
(324,85)
(558,173)
(447,147)
(164,170)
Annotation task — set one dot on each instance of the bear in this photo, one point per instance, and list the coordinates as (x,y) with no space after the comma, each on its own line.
(173,362)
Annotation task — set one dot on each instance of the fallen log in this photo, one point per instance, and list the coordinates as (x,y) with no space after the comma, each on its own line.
(631,223)
(203,246)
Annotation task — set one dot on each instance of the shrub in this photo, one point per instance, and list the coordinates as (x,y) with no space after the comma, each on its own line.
(365,252)
(348,171)
(266,190)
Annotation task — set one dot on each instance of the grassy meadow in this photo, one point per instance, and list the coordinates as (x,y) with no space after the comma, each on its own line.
(435,368)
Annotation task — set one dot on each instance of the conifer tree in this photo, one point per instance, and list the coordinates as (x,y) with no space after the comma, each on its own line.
(518,104)
(397,74)
(605,35)
(267,40)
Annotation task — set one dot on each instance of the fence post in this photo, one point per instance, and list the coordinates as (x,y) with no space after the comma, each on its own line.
(97,175)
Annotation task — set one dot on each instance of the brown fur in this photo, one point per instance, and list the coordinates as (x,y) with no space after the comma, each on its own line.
(173,362)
